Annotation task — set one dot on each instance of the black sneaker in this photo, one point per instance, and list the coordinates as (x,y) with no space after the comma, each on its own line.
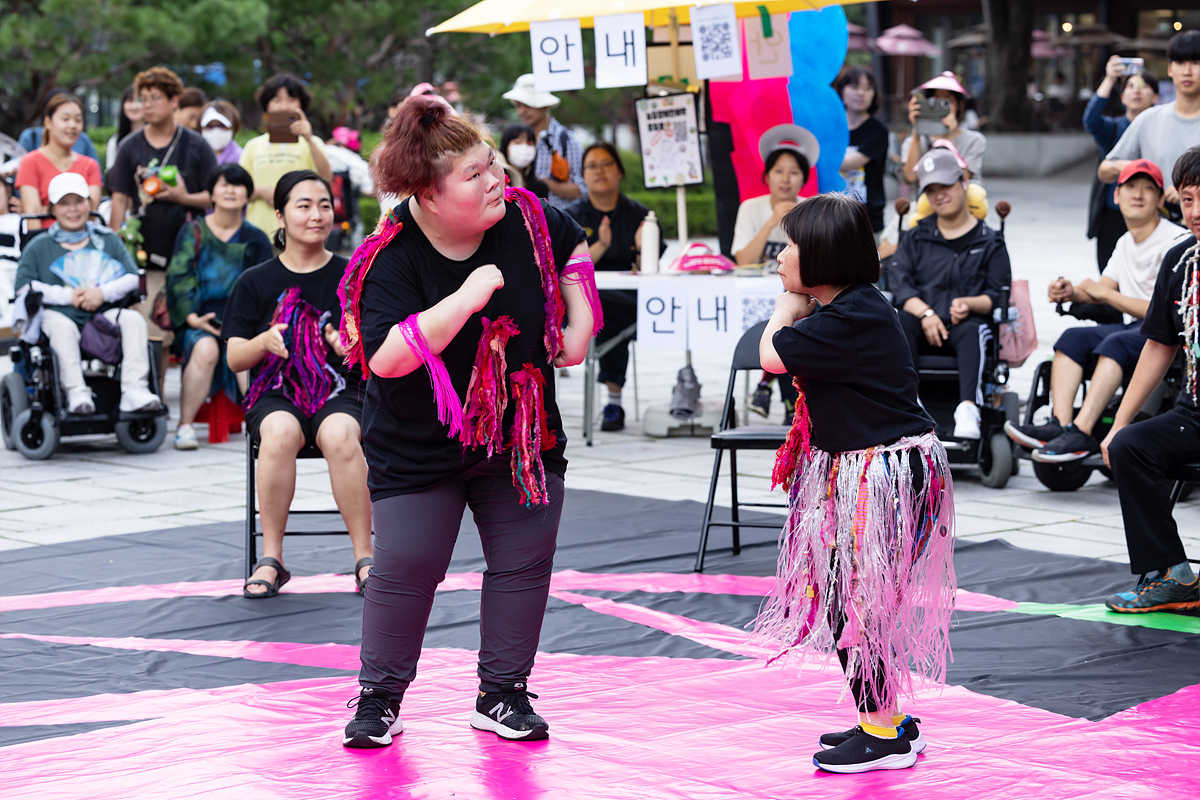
(1070,445)
(760,401)
(614,418)
(908,729)
(509,715)
(863,752)
(376,719)
(1157,592)
(1031,436)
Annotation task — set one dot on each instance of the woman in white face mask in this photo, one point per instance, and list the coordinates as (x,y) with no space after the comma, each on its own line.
(519,149)
(218,125)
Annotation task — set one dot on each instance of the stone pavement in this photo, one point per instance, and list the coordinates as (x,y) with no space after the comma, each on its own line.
(92,488)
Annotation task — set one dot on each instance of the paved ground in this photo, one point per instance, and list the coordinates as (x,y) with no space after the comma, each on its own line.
(94,489)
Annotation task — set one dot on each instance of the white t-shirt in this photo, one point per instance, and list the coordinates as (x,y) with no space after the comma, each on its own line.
(1134,265)
(752,215)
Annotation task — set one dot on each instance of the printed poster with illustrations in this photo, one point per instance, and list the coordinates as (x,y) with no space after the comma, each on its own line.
(670,141)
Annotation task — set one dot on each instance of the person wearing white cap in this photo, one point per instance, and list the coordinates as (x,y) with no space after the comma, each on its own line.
(559,159)
(82,269)
(971,144)
(219,123)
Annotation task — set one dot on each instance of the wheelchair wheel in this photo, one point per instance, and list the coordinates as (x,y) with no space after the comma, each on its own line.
(1061,477)
(997,463)
(13,400)
(35,440)
(141,435)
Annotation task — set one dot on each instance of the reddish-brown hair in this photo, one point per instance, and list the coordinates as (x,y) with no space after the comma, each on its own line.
(421,141)
(159,78)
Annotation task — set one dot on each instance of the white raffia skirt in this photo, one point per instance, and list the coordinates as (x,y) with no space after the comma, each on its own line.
(863,549)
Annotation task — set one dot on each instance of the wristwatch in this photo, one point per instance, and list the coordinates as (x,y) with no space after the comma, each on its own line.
(927,313)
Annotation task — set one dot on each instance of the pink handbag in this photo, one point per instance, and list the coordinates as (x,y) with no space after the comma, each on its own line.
(699,257)
(1018,336)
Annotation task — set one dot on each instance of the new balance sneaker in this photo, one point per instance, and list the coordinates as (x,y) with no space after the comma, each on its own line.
(614,418)
(1031,436)
(1158,592)
(908,730)
(509,715)
(1070,445)
(863,752)
(760,401)
(376,719)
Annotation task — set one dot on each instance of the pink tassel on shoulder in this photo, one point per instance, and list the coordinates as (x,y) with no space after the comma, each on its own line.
(580,270)
(350,289)
(449,407)
(543,253)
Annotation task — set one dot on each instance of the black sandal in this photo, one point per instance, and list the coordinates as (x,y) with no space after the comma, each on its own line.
(282,576)
(360,583)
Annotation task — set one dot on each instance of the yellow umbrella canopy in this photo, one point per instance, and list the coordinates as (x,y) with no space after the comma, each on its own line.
(509,16)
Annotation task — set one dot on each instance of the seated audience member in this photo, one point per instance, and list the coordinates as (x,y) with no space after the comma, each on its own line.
(210,254)
(30,139)
(977,202)
(219,123)
(82,269)
(613,224)
(518,145)
(947,275)
(1144,455)
(62,125)
(267,161)
(281,323)
(1126,285)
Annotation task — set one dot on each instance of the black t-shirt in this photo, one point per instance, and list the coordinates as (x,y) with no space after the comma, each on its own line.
(406,447)
(625,218)
(252,303)
(858,374)
(1164,317)
(161,220)
(871,139)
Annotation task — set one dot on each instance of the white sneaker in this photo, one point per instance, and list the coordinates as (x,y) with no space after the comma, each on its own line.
(185,438)
(79,401)
(966,421)
(140,400)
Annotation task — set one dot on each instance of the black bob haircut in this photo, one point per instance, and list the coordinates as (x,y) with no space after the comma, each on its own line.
(290,83)
(834,241)
(608,148)
(774,156)
(1184,47)
(1186,171)
(283,191)
(850,77)
(232,173)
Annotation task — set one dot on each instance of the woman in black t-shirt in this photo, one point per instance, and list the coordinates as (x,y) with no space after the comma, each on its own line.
(865,158)
(460,293)
(866,556)
(281,324)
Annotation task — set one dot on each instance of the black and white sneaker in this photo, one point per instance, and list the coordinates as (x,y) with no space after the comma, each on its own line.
(1070,445)
(863,752)
(1033,436)
(509,715)
(908,729)
(376,719)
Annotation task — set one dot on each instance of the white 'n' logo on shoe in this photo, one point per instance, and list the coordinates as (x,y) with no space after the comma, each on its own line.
(499,713)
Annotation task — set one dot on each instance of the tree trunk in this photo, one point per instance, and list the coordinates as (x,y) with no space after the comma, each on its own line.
(1008,62)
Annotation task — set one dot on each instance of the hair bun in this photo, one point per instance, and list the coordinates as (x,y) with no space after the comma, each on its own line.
(429,112)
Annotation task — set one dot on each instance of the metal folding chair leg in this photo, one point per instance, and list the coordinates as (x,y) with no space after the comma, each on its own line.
(733,509)
(708,509)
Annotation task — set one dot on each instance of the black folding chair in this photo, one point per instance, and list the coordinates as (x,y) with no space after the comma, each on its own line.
(252,531)
(731,438)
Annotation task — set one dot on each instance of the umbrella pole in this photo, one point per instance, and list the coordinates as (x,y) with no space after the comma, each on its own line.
(680,196)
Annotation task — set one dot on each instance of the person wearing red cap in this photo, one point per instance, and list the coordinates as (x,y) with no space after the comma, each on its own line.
(1125,284)
(971,144)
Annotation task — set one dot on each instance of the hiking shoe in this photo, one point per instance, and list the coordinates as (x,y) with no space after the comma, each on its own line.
(376,720)
(185,438)
(509,715)
(863,752)
(1032,436)
(1070,445)
(760,401)
(908,730)
(1157,592)
(614,418)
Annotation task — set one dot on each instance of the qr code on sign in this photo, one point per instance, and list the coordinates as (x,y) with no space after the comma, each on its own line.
(716,41)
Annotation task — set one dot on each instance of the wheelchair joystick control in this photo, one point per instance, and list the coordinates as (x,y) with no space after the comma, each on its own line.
(1003,209)
(902,205)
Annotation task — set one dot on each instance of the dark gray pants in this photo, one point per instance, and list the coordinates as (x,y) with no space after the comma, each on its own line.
(414,539)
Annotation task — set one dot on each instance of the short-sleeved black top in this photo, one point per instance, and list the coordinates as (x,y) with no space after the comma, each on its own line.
(622,253)
(857,371)
(407,448)
(1164,317)
(871,139)
(253,299)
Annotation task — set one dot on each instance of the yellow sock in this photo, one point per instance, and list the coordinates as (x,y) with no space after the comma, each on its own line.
(880,731)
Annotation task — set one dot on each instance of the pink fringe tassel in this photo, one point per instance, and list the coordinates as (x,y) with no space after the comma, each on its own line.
(860,544)
(350,289)
(449,407)
(530,436)
(796,446)
(487,395)
(581,270)
(535,222)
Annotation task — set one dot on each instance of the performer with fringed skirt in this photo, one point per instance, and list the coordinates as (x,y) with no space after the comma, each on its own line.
(866,555)
(454,308)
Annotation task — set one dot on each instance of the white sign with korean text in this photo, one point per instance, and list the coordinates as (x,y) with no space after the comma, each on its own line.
(768,57)
(662,314)
(620,51)
(716,41)
(557,49)
(714,313)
